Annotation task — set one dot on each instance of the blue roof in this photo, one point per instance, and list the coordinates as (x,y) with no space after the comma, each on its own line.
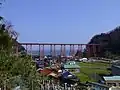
(65,74)
(111,78)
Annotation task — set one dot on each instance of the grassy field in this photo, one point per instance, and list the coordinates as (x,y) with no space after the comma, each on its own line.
(89,71)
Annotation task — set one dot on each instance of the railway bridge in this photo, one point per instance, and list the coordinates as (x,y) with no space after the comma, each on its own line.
(92,50)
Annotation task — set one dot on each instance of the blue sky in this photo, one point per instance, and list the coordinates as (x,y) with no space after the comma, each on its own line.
(61,21)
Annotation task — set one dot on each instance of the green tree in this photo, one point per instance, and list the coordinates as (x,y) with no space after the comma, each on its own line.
(7,35)
(15,70)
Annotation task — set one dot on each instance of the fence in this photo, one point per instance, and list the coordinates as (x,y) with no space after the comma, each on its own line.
(45,85)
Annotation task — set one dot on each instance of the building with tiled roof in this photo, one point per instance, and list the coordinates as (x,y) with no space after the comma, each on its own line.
(71,66)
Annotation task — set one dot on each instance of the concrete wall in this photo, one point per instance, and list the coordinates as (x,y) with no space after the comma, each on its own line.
(96,86)
(111,83)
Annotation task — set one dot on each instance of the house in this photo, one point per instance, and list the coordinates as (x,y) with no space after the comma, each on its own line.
(51,71)
(115,70)
(69,78)
(112,80)
(53,74)
(46,71)
(39,63)
(96,86)
(71,66)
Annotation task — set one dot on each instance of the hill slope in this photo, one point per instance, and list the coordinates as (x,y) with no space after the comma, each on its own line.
(110,41)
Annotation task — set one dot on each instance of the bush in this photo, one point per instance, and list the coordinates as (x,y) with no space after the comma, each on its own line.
(18,71)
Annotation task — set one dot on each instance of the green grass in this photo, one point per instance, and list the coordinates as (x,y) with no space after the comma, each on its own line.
(83,77)
(89,70)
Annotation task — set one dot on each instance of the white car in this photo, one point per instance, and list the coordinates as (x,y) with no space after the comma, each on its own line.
(83,59)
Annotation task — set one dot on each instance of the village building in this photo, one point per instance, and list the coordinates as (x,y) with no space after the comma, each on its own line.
(96,86)
(71,66)
(112,81)
(115,70)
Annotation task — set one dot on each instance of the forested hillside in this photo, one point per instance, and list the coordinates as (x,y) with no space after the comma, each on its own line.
(110,42)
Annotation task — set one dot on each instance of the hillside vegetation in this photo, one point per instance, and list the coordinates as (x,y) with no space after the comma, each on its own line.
(110,42)
(15,70)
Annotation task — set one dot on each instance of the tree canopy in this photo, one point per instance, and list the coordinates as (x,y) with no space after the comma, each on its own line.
(15,70)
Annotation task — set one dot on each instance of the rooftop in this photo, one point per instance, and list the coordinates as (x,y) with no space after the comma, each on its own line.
(98,84)
(106,78)
(118,66)
(71,64)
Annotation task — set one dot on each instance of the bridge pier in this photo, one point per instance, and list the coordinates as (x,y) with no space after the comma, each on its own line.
(54,51)
(88,51)
(43,51)
(31,50)
(41,48)
(92,49)
(81,51)
(78,51)
(73,51)
(64,50)
(61,53)
(51,53)
(26,48)
(70,53)
(39,51)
